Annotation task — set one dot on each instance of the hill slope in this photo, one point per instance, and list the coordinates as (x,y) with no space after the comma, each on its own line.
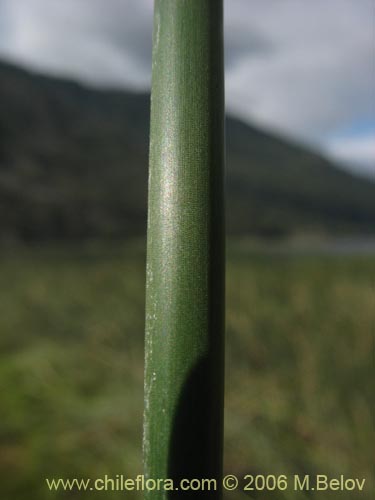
(73,164)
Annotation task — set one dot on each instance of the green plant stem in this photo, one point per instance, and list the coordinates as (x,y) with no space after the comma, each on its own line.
(183,421)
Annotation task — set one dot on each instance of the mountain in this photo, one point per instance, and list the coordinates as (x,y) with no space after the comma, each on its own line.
(73,165)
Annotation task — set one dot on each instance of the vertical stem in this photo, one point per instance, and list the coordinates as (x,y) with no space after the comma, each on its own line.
(183,421)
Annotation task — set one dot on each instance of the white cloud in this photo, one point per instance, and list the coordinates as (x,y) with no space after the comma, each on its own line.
(319,74)
(357,152)
(101,42)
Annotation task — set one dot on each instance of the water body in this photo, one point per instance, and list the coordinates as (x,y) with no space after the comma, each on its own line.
(335,246)
(350,246)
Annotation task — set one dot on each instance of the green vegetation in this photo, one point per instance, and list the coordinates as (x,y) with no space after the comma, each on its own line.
(73,164)
(298,373)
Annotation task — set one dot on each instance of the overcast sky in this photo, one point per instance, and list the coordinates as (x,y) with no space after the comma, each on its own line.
(302,67)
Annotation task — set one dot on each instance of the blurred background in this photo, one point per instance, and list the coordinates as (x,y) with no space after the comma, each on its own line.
(74,112)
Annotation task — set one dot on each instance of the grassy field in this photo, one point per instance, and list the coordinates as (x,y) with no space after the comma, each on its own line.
(299,368)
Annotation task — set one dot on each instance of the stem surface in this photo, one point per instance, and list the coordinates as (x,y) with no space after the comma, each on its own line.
(184,365)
